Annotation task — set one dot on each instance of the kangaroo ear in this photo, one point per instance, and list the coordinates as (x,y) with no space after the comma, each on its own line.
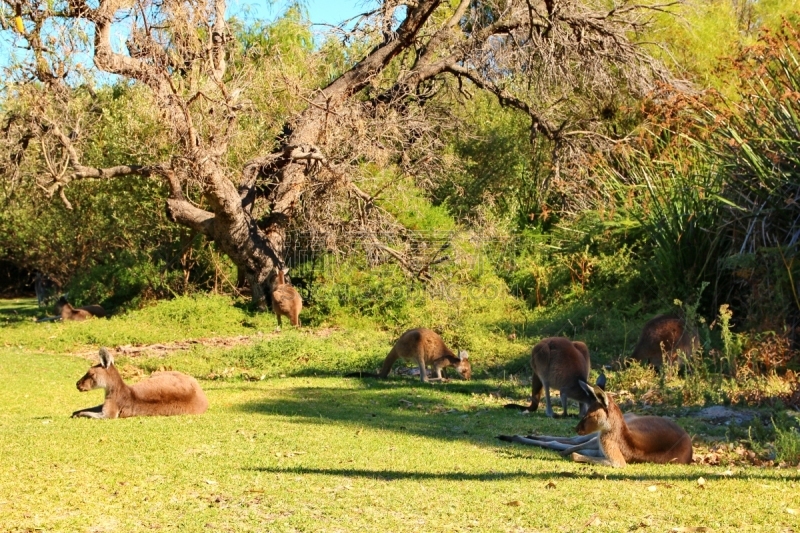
(462,354)
(106,359)
(601,381)
(601,396)
(588,389)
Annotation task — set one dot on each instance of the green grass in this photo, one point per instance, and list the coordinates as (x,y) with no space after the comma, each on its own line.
(320,453)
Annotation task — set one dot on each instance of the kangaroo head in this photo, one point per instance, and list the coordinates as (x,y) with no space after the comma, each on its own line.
(61,303)
(464,367)
(596,417)
(280,276)
(96,376)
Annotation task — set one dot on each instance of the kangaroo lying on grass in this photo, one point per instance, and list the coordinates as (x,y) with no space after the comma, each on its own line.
(559,363)
(162,394)
(286,300)
(424,347)
(664,335)
(608,438)
(67,312)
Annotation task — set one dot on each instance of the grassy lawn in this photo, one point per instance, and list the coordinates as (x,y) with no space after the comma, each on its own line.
(321,453)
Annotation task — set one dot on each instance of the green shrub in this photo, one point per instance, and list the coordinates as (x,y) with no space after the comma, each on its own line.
(787,445)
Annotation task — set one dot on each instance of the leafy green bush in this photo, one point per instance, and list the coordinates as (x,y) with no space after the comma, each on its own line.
(757,142)
(787,445)
(678,208)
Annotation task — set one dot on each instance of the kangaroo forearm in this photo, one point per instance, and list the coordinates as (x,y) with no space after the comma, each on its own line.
(90,412)
(591,444)
(596,459)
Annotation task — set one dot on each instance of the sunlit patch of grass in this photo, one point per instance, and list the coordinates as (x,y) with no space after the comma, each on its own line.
(181,318)
(331,454)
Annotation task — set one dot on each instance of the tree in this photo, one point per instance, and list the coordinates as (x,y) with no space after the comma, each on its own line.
(564,64)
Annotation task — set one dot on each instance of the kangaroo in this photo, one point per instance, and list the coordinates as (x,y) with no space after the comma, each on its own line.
(286,300)
(644,439)
(664,335)
(425,347)
(44,288)
(65,310)
(162,394)
(566,445)
(608,437)
(559,363)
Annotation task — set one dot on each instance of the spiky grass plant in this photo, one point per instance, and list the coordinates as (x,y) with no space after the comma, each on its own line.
(758,144)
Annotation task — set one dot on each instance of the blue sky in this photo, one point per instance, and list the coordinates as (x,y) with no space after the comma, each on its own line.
(319,11)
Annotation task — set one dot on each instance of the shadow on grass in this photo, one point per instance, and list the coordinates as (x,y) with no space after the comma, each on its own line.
(586,473)
(19,310)
(409,407)
(392,475)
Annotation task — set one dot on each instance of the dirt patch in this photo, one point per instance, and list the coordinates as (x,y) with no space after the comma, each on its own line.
(719,414)
(166,348)
(163,349)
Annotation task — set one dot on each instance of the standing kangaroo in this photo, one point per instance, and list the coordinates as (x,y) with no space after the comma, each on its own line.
(162,394)
(424,347)
(664,335)
(559,363)
(286,300)
(608,437)
(65,310)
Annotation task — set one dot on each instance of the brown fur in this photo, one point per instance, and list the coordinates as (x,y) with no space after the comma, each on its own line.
(426,347)
(664,334)
(162,394)
(642,439)
(561,364)
(286,301)
(67,312)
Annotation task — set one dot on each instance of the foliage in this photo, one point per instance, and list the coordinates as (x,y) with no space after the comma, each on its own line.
(758,146)
(787,445)
(699,38)
(496,164)
(683,209)
(593,257)
(731,342)
(676,205)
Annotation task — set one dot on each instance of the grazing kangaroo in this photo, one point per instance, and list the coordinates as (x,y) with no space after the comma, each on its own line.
(65,310)
(286,300)
(607,437)
(162,394)
(664,335)
(424,347)
(559,363)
